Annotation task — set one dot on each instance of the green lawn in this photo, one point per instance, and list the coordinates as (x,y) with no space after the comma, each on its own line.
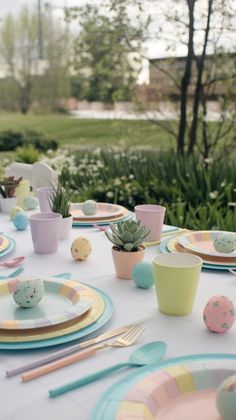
(69,130)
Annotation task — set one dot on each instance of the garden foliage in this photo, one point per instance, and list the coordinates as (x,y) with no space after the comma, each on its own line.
(198,194)
(10,140)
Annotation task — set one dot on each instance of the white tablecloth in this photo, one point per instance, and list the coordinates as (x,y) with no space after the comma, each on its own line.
(184,335)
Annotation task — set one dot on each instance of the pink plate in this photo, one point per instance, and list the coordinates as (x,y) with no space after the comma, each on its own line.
(193,406)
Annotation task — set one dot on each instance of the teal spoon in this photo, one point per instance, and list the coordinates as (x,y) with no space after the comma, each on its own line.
(13,275)
(144,355)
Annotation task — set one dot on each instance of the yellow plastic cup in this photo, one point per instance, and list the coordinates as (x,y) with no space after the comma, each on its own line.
(176,282)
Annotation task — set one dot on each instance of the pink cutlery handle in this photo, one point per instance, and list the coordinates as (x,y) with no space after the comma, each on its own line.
(58,364)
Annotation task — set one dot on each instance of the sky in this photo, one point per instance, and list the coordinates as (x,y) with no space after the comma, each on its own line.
(154,48)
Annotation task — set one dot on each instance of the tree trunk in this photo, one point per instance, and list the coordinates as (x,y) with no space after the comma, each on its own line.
(25,96)
(186,79)
(198,89)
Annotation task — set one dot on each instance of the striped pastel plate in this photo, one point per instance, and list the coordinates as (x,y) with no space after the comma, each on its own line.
(60,303)
(4,243)
(169,245)
(104,211)
(182,388)
(202,242)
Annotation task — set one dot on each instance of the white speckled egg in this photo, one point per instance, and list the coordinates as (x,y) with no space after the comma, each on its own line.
(28,293)
(225,242)
(219,314)
(30,203)
(89,207)
(226,398)
(81,248)
(14,211)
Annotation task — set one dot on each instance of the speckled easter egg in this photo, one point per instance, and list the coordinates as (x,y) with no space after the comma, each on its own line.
(28,293)
(81,248)
(21,221)
(219,314)
(14,211)
(30,203)
(89,207)
(142,275)
(225,242)
(226,398)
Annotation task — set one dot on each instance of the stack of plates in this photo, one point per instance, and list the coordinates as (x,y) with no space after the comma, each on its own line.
(68,311)
(7,245)
(106,213)
(201,243)
(176,389)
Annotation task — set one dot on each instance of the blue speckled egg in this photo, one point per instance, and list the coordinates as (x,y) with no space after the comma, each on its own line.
(21,221)
(142,275)
(225,243)
(89,207)
(29,292)
(226,398)
(14,211)
(30,203)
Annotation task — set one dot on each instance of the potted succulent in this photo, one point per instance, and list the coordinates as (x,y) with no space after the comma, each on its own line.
(60,199)
(127,237)
(7,191)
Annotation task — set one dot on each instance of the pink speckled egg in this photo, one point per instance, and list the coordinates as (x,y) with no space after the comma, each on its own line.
(219,314)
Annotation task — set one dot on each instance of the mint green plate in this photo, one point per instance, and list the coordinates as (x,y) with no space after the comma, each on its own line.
(104,318)
(108,405)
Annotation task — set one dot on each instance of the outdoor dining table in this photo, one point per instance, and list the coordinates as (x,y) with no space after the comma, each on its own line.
(183,335)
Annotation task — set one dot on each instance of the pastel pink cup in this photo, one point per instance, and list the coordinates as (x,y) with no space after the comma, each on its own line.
(43,194)
(45,231)
(152,216)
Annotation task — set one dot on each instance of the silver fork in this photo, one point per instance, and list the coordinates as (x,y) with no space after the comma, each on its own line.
(127,339)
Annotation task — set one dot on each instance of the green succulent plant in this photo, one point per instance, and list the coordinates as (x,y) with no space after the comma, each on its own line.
(127,235)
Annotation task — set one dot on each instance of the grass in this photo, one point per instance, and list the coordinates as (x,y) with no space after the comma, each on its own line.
(67,130)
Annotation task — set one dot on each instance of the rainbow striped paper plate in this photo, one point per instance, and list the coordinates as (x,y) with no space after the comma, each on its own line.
(182,388)
(61,303)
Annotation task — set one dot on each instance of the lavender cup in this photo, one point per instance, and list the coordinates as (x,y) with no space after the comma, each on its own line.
(152,216)
(45,231)
(43,194)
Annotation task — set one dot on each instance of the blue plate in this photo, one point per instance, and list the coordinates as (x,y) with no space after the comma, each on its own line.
(105,317)
(9,249)
(107,406)
(164,250)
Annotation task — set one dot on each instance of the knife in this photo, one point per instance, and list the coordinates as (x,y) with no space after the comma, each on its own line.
(69,350)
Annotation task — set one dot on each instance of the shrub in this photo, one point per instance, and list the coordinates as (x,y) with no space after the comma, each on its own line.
(10,140)
(27,154)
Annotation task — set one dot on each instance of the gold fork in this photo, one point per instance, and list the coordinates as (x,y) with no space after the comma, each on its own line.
(127,339)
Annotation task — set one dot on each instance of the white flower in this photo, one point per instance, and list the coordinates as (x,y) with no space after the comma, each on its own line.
(110,194)
(208,160)
(231,204)
(223,184)
(213,195)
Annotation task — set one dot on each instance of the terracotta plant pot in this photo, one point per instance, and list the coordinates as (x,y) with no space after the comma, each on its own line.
(125,261)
